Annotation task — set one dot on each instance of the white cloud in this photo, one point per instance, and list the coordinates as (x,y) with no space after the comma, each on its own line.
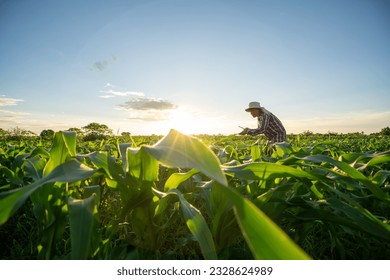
(139,107)
(145,104)
(10,119)
(111,92)
(6,101)
(147,109)
(115,93)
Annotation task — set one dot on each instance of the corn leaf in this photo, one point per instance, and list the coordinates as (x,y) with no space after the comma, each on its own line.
(265,239)
(106,162)
(90,190)
(361,218)
(379,159)
(350,172)
(63,148)
(198,226)
(264,170)
(70,171)
(81,219)
(182,151)
(142,165)
(177,178)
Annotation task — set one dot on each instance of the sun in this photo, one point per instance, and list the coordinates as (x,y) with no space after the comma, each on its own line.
(183,121)
(188,121)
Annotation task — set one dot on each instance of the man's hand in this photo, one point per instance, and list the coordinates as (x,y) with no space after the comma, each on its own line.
(251,132)
(245,131)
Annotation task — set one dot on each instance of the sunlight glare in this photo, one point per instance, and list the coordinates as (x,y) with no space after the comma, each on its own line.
(182,121)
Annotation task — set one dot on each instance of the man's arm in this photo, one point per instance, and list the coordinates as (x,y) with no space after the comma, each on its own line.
(263,124)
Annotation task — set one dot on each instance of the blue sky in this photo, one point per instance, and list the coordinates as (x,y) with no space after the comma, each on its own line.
(147,66)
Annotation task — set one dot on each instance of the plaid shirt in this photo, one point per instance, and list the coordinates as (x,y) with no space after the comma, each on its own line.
(270,126)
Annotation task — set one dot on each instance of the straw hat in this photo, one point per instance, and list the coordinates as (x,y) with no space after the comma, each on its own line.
(253,105)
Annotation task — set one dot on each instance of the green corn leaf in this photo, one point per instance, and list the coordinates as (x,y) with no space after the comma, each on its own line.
(356,218)
(142,165)
(81,219)
(264,170)
(106,162)
(223,224)
(123,154)
(19,161)
(70,171)
(379,159)
(11,176)
(63,148)
(177,178)
(179,150)
(40,151)
(381,176)
(198,226)
(265,239)
(90,190)
(34,167)
(350,172)
(361,218)
(255,152)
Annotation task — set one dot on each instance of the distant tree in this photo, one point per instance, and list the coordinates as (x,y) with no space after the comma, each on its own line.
(331,133)
(126,134)
(385,131)
(75,129)
(16,133)
(96,131)
(307,133)
(47,133)
(98,128)
(20,132)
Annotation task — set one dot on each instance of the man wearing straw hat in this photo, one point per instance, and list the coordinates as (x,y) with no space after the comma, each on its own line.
(268,124)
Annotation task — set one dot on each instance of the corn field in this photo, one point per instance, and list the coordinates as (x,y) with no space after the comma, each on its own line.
(204,197)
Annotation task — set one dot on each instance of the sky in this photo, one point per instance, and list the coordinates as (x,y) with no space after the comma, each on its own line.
(148,66)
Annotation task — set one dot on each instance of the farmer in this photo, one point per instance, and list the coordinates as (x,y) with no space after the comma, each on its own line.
(268,124)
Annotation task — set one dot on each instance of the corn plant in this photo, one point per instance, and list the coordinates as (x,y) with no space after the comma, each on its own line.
(109,200)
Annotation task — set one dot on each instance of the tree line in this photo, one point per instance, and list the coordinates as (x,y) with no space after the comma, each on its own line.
(90,132)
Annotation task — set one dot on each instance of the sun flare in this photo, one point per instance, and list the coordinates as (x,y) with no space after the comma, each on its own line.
(188,121)
(182,121)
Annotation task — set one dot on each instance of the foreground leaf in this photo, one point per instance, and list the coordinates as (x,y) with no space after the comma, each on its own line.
(198,226)
(81,212)
(177,178)
(70,171)
(182,151)
(265,170)
(63,148)
(265,239)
